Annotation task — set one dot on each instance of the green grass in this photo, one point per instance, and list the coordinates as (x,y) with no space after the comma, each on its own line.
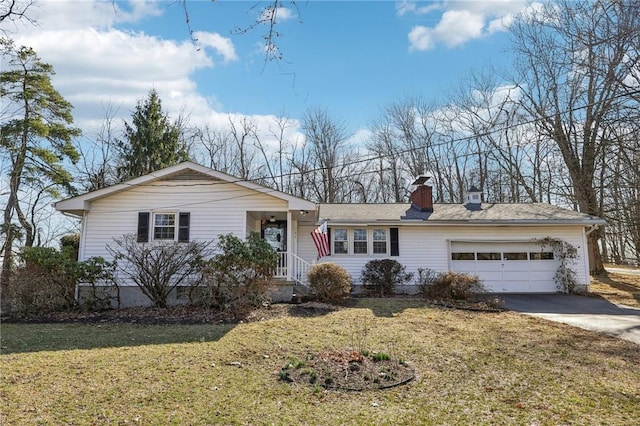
(473,368)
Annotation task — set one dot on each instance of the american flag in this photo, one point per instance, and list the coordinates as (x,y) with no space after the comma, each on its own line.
(321,240)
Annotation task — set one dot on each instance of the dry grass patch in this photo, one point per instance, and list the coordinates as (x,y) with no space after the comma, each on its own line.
(472,368)
(623,289)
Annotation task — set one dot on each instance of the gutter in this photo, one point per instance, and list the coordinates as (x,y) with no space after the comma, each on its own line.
(463,222)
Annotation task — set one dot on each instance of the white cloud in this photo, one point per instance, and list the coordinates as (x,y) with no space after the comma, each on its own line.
(99,66)
(360,138)
(222,45)
(407,7)
(281,14)
(62,15)
(455,28)
(460,22)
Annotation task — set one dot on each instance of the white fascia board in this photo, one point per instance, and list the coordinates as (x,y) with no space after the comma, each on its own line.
(465,223)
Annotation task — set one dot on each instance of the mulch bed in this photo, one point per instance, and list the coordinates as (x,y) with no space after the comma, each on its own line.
(173,315)
(201,315)
(348,370)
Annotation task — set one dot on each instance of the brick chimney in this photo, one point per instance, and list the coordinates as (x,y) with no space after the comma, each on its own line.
(422,196)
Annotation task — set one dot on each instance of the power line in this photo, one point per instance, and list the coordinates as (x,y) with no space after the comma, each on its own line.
(426,145)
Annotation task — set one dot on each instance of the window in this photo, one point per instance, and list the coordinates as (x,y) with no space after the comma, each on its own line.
(515,256)
(340,242)
(463,256)
(164,226)
(490,256)
(543,255)
(359,241)
(379,241)
(365,241)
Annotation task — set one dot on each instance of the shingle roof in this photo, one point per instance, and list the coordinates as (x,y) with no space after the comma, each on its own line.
(457,213)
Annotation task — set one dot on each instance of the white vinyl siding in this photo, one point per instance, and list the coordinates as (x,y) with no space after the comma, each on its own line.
(429,246)
(216,209)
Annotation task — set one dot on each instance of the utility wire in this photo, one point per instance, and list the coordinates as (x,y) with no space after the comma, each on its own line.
(427,145)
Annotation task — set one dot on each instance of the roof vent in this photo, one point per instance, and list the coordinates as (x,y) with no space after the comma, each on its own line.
(473,199)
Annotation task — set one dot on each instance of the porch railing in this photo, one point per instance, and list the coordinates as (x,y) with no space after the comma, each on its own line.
(292,267)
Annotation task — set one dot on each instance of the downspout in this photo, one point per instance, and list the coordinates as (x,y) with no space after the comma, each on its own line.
(593,228)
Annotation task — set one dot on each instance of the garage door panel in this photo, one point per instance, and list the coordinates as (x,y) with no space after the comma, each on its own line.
(463,266)
(517,270)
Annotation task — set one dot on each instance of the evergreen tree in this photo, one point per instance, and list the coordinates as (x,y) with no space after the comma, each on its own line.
(151,141)
(35,140)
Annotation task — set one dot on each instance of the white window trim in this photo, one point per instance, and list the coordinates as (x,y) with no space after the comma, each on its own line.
(350,241)
(176,228)
(387,242)
(333,240)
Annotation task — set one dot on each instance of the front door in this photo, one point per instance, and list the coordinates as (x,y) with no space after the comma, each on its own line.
(275,233)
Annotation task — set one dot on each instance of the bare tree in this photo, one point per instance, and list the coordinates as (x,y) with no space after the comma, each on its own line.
(158,267)
(326,145)
(14,10)
(243,133)
(572,60)
(99,157)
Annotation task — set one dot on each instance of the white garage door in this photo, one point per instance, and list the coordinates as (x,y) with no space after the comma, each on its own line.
(507,267)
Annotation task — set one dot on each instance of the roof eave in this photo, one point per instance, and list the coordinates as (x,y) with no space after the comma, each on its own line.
(462,222)
(83,202)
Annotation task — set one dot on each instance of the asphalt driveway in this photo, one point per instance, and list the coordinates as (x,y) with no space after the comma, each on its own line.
(579,311)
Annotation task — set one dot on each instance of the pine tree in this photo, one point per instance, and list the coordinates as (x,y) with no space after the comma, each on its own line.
(151,141)
(35,138)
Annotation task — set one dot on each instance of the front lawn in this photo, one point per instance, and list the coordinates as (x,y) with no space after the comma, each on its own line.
(618,288)
(471,367)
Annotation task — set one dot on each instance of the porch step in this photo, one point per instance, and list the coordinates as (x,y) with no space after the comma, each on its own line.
(288,291)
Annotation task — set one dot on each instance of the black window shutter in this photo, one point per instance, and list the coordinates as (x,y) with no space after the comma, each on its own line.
(143,227)
(183,227)
(395,244)
(329,239)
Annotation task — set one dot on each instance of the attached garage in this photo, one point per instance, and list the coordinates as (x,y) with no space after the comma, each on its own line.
(507,267)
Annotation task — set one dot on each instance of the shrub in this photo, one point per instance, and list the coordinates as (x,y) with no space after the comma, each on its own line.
(158,267)
(454,286)
(239,276)
(47,281)
(329,282)
(381,277)
(71,242)
(425,279)
(97,275)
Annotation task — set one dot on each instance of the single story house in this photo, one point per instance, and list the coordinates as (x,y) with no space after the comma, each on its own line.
(188,201)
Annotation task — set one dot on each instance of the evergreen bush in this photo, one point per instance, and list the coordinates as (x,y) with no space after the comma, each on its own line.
(329,282)
(380,277)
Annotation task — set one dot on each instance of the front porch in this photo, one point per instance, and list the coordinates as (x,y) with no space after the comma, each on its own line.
(279,229)
(292,268)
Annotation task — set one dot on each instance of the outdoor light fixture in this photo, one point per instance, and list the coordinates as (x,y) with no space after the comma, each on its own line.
(272,219)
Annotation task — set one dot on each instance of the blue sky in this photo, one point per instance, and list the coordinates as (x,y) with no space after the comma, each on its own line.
(350,58)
